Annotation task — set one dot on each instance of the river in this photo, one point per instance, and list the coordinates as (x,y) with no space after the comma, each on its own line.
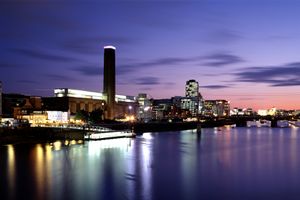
(238,163)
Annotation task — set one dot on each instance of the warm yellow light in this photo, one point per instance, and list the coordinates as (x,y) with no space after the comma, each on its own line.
(57,145)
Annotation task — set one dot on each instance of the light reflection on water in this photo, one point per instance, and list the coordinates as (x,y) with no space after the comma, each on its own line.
(11,170)
(239,163)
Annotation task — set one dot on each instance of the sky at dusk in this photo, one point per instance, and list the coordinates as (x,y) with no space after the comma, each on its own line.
(244,51)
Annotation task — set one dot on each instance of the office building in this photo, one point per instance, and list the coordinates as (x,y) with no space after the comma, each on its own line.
(191,88)
(144,111)
(190,104)
(191,100)
(216,108)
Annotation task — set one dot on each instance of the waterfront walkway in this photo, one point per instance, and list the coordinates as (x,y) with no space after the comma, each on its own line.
(96,132)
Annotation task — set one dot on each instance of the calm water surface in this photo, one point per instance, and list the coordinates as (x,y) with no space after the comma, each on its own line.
(240,163)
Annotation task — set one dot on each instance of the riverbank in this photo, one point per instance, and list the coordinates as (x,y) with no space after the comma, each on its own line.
(139,127)
(47,134)
(38,134)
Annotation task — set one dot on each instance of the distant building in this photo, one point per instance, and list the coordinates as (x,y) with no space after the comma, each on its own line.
(262,112)
(89,101)
(271,112)
(242,111)
(216,108)
(10,102)
(144,111)
(192,99)
(190,104)
(191,88)
(161,109)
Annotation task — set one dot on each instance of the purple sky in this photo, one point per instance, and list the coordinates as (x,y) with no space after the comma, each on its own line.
(245,51)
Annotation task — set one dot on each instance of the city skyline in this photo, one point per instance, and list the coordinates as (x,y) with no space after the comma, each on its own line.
(244,52)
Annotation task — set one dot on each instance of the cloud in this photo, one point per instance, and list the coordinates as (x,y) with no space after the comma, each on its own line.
(148,80)
(249,98)
(146,89)
(169,61)
(95,44)
(221,59)
(223,36)
(212,60)
(38,54)
(89,70)
(56,77)
(275,76)
(9,65)
(27,81)
(215,86)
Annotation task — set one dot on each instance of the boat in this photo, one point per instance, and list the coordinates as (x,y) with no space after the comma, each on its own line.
(283,123)
(108,135)
(259,123)
(294,123)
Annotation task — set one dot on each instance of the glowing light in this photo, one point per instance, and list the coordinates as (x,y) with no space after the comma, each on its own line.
(147,136)
(89,95)
(94,147)
(11,169)
(57,145)
(115,134)
(147,108)
(73,142)
(110,47)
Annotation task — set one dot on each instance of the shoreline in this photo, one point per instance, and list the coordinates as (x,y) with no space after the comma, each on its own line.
(50,134)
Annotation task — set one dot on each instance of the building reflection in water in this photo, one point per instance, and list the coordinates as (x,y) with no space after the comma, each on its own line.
(174,165)
(11,171)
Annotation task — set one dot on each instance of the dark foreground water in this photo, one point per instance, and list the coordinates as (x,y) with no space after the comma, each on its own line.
(241,163)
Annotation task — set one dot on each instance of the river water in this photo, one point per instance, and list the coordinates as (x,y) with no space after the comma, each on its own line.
(239,163)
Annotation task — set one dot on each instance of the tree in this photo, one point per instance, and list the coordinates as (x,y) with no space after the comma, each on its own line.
(96,116)
(82,115)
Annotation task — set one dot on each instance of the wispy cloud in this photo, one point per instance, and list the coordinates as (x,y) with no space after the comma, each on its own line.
(211,60)
(8,65)
(250,98)
(275,76)
(27,81)
(160,62)
(63,78)
(223,36)
(148,80)
(89,70)
(95,44)
(221,59)
(215,86)
(39,54)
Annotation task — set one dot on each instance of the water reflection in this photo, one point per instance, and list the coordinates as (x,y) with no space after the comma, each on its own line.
(11,170)
(240,163)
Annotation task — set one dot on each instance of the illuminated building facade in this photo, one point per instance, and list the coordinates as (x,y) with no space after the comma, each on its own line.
(109,80)
(144,111)
(192,99)
(190,104)
(76,100)
(72,105)
(191,88)
(162,109)
(216,108)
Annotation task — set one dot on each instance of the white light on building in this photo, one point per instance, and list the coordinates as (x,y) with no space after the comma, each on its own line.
(58,116)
